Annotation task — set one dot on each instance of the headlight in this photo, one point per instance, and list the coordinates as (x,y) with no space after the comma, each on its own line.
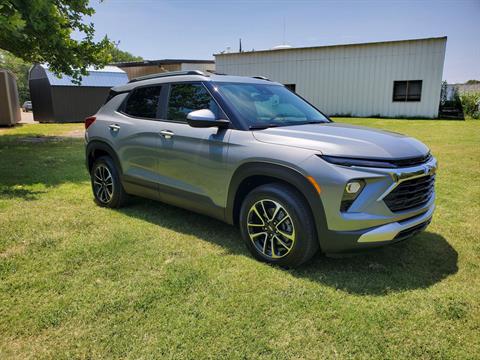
(352,189)
(344,161)
(377,163)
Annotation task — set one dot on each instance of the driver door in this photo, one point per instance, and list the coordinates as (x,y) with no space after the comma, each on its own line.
(192,161)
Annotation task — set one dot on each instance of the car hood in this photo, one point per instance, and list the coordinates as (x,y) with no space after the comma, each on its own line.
(337,139)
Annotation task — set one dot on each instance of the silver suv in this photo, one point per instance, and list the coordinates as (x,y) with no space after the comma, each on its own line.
(252,153)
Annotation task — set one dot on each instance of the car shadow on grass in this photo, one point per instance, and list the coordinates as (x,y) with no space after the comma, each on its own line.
(417,263)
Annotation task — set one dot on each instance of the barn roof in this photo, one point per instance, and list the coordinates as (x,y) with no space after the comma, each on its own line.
(109,76)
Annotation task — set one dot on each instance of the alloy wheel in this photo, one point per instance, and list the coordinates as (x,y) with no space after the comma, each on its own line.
(103,184)
(270,228)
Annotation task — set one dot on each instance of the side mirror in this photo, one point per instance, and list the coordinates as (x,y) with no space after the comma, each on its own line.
(205,118)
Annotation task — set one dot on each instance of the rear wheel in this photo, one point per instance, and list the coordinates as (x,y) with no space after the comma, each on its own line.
(277,225)
(107,188)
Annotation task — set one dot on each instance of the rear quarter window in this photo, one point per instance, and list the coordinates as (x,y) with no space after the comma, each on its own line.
(143,102)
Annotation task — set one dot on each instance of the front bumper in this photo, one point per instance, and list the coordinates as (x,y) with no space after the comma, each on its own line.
(392,231)
(369,222)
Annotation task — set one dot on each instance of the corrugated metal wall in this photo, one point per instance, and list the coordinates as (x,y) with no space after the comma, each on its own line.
(352,80)
(42,102)
(41,94)
(75,103)
(61,103)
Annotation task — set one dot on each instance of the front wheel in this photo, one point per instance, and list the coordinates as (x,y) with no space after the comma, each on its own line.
(277,225)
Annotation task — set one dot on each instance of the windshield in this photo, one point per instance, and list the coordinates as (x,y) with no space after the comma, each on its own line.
(265,105)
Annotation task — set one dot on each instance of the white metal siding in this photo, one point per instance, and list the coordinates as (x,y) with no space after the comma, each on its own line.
(352,80)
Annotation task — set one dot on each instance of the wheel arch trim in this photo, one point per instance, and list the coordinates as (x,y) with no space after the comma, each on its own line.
(94,145)
(284,174)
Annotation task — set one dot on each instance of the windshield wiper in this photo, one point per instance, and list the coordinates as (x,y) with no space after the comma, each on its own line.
(315,122)
(293,123)
(262,127)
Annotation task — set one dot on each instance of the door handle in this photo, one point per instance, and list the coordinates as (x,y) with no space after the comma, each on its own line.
(114,127)
(167,134)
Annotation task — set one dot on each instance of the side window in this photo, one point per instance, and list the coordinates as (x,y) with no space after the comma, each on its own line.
(185,98)
(410,90)
(143,102)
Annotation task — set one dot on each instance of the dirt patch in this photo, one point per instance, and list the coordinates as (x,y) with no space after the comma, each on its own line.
(14,250)
(40,139)
(75,134)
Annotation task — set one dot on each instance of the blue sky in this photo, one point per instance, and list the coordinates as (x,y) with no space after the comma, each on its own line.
(197,29)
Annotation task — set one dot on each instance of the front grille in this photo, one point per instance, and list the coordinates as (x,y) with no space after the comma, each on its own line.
(410,194)
(411,161)
(414,230)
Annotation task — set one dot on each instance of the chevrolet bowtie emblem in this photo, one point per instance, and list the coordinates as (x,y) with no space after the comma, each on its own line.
(430,170)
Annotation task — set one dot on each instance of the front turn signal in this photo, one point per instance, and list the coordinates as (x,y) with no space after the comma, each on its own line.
(314,183)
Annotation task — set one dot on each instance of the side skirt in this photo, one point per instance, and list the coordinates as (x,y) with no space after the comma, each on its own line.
(172,196)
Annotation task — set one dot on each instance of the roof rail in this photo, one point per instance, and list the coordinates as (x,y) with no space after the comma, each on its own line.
(261,78)
(167,74)
(214,72)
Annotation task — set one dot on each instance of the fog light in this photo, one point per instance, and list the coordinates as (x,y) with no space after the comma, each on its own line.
(352,190)
(353,187)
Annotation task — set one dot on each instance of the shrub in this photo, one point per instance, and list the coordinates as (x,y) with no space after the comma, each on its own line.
(471,103)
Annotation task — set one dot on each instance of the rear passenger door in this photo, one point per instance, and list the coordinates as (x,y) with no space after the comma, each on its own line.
(192,160)
(135,134)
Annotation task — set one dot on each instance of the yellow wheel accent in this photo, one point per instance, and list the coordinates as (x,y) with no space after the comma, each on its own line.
(270,228)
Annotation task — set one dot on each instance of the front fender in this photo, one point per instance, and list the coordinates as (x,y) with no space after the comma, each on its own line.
(284,174)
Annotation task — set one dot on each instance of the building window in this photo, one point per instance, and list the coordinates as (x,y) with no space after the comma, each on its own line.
(410,90)
(290,87)
(185,98)
(143,102)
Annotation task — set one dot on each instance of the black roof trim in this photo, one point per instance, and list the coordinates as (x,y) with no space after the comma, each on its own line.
(162,62)
(167,74)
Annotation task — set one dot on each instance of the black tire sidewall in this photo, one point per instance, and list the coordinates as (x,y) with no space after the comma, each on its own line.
(306,243)
(116,199)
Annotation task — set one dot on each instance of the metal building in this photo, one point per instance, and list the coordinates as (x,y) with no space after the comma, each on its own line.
(140,68)
(382,79)
(9,103)
(57,99)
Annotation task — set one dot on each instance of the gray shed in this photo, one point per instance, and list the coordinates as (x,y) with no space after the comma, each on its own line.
(59,100)
(9,105)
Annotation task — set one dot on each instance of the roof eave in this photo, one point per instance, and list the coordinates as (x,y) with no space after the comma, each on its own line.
(330,46)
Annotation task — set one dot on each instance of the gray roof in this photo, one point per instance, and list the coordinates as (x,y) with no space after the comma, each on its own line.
(107,77)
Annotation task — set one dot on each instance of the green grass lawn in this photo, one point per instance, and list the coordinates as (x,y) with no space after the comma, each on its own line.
(153,281)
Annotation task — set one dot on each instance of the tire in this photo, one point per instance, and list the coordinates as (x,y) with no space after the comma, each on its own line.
(289,224)
(112,194)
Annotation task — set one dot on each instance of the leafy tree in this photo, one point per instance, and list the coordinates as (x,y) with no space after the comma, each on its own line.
(123,56)
(472,82)
(39,31)
(20,69)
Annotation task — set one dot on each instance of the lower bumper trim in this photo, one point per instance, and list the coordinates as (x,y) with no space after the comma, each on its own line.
(392,231)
